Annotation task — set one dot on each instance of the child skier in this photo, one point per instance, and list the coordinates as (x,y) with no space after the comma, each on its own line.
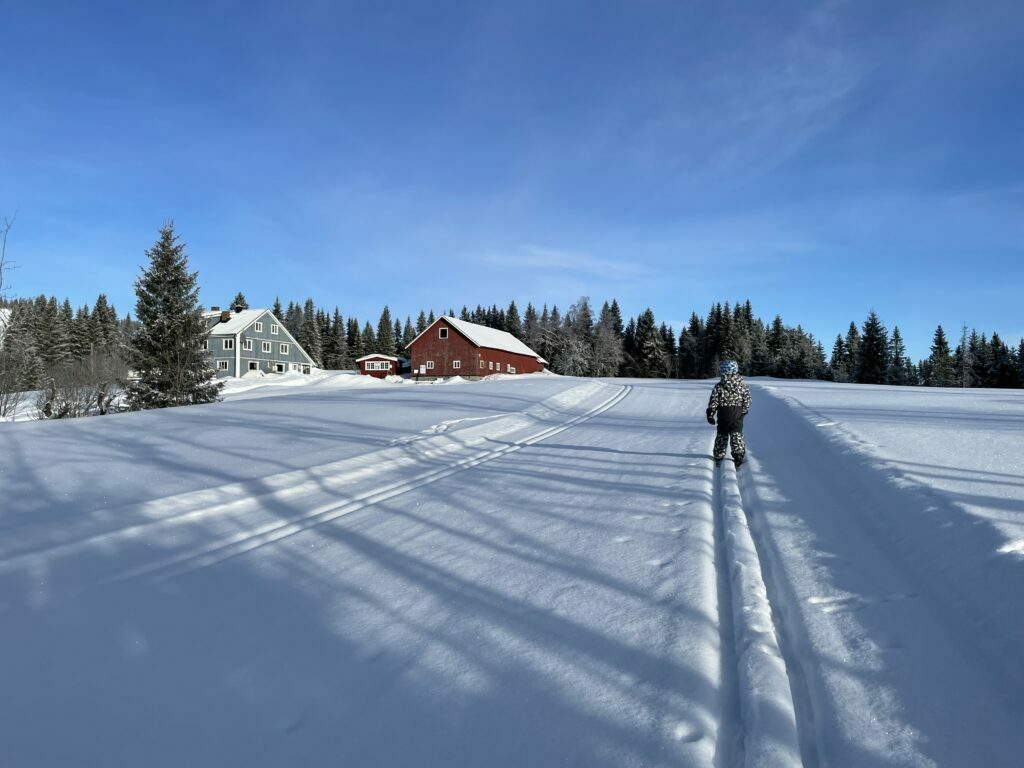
(730,402)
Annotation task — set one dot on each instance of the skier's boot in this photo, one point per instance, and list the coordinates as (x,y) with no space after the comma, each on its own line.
(739,460)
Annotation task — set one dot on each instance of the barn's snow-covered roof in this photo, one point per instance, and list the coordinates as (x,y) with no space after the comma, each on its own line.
(239,321)
(482,336)
(377,356)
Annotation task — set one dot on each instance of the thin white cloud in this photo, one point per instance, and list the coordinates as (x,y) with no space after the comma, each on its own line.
(559,260)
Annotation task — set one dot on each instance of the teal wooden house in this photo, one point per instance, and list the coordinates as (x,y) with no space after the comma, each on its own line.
(244,340)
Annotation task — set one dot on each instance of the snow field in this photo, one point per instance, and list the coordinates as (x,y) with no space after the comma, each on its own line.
(539,571)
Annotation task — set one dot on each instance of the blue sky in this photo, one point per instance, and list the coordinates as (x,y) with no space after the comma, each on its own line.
(821,160)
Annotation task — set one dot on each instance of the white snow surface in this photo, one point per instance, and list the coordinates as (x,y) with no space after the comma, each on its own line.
(540,570)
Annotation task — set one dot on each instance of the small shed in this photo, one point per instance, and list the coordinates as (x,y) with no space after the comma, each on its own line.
(380,365)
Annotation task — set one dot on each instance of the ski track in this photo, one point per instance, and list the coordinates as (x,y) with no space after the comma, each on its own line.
(767,724)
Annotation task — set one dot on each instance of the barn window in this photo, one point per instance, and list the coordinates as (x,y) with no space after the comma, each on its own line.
(284,349)
(511,369)
(442,333)
(490,365)
(229,343)
(266,347)
(222,365)
(456,363)
(481,363)
(430,365)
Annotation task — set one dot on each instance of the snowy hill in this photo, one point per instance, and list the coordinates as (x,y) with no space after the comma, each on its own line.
(535,571)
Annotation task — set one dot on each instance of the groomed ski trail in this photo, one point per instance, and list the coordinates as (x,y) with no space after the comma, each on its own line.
(766,717)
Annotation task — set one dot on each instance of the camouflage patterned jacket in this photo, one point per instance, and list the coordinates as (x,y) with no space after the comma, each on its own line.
(730,392)
(730,400)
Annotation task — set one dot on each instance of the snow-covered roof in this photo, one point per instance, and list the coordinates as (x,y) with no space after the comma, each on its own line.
(377,357)
(483,336)
(239,321)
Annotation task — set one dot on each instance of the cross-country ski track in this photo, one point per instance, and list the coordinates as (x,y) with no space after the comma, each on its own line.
(533,572)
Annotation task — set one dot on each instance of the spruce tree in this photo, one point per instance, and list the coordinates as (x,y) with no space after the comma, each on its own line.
(354,339)
(408,334)
(385,333)
(166,349)
(369,339)
(837,367)
(277,308)
(852,350)
(874,351)
(649,347)
(239,301)
(897,371)
(309,334)
(421,323)
(940,363)
(513,323)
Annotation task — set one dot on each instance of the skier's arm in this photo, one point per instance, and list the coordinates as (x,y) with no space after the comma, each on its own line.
(746,400)
(713,405)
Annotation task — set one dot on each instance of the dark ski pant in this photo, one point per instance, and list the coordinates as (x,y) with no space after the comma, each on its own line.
(730,428)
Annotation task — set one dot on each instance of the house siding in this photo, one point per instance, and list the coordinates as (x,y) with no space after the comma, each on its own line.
(267,361)
(443,352)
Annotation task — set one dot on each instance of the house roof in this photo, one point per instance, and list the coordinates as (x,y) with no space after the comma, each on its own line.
(239,321)
(377,356)
(482,336)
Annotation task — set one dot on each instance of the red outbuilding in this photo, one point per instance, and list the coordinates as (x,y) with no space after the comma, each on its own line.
(379,366)
(452,347)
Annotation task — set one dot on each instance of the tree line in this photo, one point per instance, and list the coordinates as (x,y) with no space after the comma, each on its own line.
(76,361)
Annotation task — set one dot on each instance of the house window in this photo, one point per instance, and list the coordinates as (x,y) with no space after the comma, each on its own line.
(456,363)
(273,329)
(284,349)
(306,369)
(253,365)
(222,365)
(442,333)
(295,366)
(266,347)
(247,345)
(279,367)
(430,365)
(229,343)
(206,345)
(259,328)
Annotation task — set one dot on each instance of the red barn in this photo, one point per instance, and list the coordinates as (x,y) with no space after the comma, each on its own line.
(379,366)
(451,347)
